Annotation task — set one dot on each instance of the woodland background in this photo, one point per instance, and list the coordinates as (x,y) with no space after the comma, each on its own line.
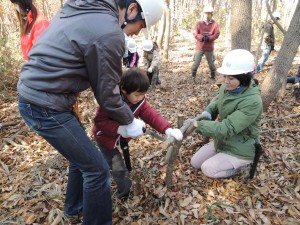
(33,175)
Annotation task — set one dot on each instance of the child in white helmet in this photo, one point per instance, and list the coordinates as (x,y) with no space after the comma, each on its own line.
(152,60)
(132,58)
(239,108)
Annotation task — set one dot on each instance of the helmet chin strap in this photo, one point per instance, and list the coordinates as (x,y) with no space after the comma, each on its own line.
(123,25)
(138,17)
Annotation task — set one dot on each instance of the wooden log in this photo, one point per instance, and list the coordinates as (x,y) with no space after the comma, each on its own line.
(173,147)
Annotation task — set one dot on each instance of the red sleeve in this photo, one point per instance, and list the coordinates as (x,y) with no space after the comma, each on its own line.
(215,32)
(197,32)
(31,38)
(105,125)
(153,118)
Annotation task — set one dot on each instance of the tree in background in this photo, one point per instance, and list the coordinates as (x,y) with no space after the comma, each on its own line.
(240,24)
(278,73)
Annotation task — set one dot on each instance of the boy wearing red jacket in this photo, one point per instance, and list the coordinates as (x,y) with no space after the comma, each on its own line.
(108,132)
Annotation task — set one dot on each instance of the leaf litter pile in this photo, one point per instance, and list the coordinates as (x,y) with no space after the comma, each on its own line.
(34,176)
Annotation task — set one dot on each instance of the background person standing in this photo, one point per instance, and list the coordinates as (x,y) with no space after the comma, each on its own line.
(205,33)
(152,60)
(269,41)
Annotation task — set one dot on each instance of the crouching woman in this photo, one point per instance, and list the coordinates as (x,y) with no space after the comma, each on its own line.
(239,108)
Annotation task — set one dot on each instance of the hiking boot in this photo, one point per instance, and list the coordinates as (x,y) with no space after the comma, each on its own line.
(193,74)
(126,195)
(213,75)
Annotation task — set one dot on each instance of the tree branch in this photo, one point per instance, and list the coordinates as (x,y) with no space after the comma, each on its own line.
(281,118)
(273,18)
(173,147)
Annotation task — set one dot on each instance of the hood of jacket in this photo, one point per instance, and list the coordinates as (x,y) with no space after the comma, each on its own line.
(77,7)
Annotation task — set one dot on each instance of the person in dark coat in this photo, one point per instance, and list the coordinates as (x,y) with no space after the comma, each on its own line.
(109,133)
(82,48)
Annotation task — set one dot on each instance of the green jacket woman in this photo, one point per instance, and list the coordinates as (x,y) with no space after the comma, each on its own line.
(239,108)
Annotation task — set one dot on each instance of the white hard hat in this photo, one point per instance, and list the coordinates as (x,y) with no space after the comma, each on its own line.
(152,10)
(147,45)
(131,45)
(236,62)
(208,9)
(276,14)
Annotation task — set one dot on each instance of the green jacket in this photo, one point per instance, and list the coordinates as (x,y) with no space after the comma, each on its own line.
(239,122)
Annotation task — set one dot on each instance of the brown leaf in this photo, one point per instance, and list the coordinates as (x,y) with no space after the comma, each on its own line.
(186,201)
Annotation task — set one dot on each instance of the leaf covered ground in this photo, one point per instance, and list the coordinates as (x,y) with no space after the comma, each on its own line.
(33,175)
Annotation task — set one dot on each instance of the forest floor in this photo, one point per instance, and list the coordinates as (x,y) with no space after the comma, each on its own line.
(33,175)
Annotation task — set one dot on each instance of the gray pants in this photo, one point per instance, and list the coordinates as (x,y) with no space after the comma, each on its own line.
(197,60)
(120,173)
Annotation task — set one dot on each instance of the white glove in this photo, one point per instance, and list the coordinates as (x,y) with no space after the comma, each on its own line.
(206,114)
(176,133)
(150,69)
(135,128)
(122,131)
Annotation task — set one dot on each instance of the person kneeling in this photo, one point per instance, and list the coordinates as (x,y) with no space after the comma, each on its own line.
(239,107)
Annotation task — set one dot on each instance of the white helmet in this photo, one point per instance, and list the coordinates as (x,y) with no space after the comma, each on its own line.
(152,10)
(276,15)
(131,45)
(208,9)
(147,45)
(236,62)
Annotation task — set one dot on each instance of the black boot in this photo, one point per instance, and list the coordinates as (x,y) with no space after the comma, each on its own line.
(194,74)
(213,75)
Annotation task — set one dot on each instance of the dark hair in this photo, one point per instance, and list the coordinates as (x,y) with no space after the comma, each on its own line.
(244,79)
(26,6)
(134,79)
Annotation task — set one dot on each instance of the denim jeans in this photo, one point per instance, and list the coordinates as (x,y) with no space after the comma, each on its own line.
(197,60)
(293,80)
(265,55)
(88,188)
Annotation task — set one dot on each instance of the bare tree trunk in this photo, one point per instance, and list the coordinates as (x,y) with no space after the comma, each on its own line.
(161,30)
(227,23)
(241,19)
(167,32)
(278,73)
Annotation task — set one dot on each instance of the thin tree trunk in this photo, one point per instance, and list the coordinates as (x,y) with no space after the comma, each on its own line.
(167,32)
(161,30)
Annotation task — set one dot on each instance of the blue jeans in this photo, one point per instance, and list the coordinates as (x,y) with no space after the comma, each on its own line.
(293,80)
(265,55)
(88,188)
